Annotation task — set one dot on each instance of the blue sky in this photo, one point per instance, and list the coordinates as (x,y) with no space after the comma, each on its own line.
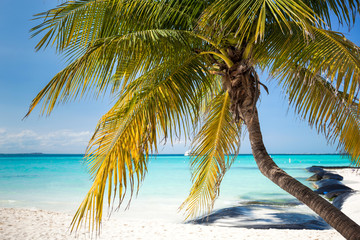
(23,72)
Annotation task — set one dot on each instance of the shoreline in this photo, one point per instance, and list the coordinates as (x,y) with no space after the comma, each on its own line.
(20,223)
(336,167)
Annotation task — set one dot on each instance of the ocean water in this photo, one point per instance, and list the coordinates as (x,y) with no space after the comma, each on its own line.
(59,183)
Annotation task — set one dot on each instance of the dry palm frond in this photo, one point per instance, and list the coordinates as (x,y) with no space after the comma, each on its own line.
(218,138)
(155,105)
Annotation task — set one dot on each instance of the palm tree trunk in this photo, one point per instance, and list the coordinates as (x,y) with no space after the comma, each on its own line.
(333,216)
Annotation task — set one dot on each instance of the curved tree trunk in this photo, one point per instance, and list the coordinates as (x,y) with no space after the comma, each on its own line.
(333,216)
(242,83)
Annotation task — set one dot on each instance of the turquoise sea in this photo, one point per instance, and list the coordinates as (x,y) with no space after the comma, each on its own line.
(59,182)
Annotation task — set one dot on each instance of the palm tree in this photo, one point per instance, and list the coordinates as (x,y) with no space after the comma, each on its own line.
(178,67)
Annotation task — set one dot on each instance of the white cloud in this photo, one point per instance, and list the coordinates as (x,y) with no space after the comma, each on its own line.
(2,131)
(61,141)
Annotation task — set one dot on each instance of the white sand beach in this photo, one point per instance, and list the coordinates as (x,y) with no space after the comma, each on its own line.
(29,224)
(40,224)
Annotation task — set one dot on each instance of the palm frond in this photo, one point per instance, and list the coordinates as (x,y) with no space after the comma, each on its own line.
(322,77)
(76,24)
(345,11)
(119,161)
(248,19)
(329,54)
(71,22)
(217,139)
(156,105)
(325,108)
(114,61)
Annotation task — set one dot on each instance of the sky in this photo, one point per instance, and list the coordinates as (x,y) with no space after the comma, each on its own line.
(24,72)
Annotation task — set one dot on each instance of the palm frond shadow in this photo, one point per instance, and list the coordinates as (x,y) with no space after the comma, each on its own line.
(276,217)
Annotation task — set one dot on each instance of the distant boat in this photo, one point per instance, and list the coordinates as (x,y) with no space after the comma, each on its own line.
(187,153)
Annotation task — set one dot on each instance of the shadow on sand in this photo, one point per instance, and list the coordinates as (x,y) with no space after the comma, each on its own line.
(264,215)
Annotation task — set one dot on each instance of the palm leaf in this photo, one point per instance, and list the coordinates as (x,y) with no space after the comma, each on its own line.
(77,24)
(326,108)
(329,54)
(321,76)
(345,11)
(154,106)
(248,19)
(217,139)
(71,23)
(114,61)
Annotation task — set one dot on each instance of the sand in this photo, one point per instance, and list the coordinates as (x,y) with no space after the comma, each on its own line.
(38,224)
(16,224)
